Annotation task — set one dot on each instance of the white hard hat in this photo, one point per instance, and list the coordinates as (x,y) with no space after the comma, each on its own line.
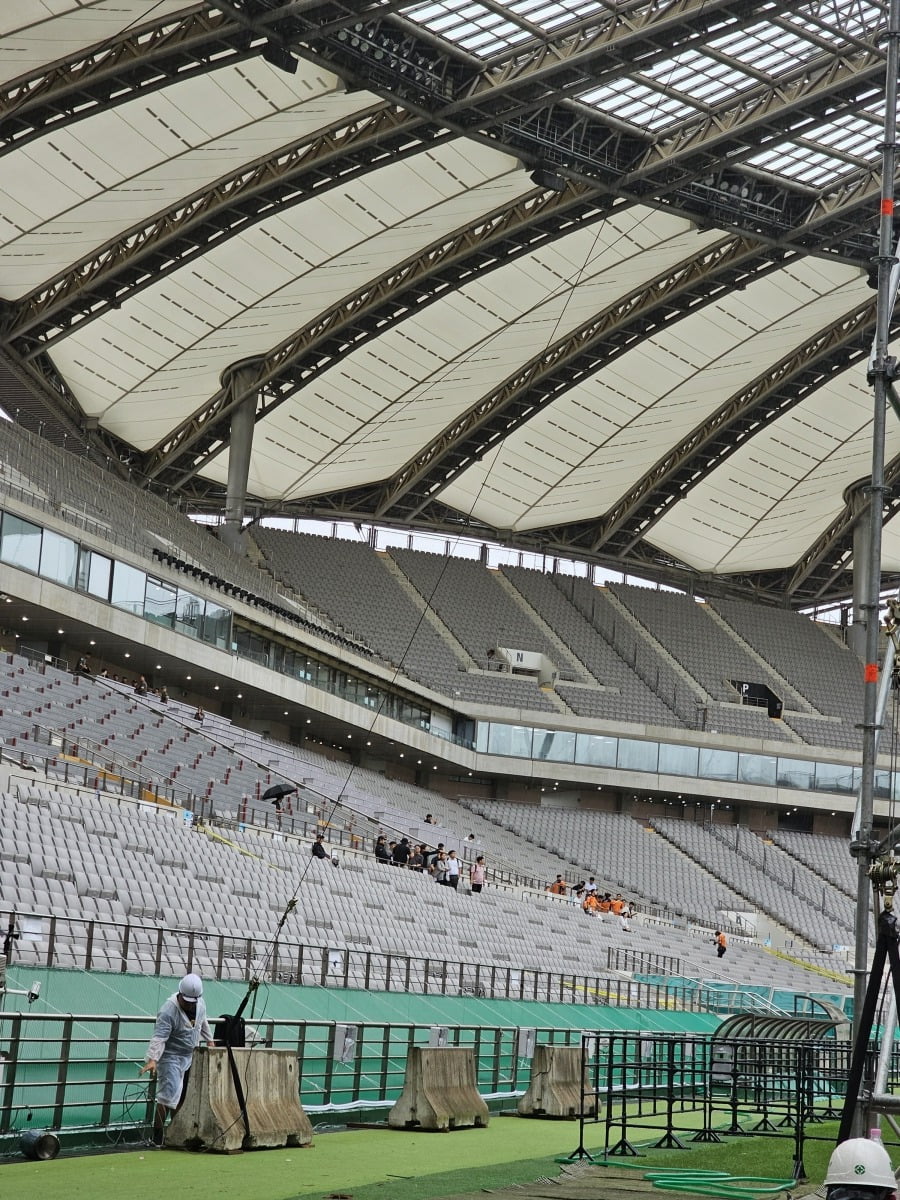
(860,1162)
(191,987)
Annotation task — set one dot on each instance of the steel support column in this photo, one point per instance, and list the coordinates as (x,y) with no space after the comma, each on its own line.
(240,446)
(881,374)
(856,634)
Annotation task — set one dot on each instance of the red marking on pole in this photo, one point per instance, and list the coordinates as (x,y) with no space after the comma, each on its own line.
(870,674)
(887,207)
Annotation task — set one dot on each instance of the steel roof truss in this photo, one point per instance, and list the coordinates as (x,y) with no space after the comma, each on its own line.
(493,239)
(143,254)
(690,285)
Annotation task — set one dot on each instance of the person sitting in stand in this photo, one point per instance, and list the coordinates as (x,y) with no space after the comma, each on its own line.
(140,688)
(591,905)
(199,714)
(318,847)
(558,887)
(82,667)
(381,851)
(604,905)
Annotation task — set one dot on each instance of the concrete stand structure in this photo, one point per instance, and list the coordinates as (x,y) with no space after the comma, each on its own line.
(555,1088)
(210,1118)
(439,1092)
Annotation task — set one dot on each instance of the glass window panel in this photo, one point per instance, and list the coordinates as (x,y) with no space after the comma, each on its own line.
(596,750)
(882,784)
(20,544)
(718,764)
(757,768)
(59,557)
(638,756)
(482,732)
(553,745)
(216,625)
(84,569)
(831,777)
(678,760)
(189,614)
(246,643)
(128,587)
(99,575)
(159,603)
(511,740)
(796,773)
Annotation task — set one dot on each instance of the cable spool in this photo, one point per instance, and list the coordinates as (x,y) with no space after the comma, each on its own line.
(39,1144)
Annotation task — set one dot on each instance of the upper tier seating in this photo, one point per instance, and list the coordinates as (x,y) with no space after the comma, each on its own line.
(89,498)
(827,673)
(355,586)
(626,697)
(479,612)
(700,644)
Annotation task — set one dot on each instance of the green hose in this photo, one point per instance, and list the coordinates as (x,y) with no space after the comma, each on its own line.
(717,1183)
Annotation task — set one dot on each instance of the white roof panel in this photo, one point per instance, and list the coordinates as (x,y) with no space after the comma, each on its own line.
(164,350)
(649,398)
(762,506)
(433,367)
(82,185)
(36,32)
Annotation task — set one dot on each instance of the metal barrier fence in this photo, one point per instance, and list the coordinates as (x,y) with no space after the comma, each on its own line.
(72,942)
(81,1072)
(674,1088)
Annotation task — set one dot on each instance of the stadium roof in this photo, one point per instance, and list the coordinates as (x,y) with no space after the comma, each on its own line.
(586,277)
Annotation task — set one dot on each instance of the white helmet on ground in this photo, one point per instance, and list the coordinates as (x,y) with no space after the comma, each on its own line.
(860,1163)
(191,987)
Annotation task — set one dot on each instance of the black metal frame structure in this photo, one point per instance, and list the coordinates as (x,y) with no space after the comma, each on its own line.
(529,98)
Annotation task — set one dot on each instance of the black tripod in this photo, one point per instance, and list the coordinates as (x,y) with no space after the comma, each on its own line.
(887,950)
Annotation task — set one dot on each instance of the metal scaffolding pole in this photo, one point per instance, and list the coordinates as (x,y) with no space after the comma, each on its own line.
(882,374)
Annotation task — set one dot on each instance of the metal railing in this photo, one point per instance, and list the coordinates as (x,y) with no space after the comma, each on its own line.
(68,1072)
(679,1088)
(110,946)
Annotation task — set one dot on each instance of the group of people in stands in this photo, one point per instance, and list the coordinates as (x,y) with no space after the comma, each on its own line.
(444,866)
(588,896)
(140,685)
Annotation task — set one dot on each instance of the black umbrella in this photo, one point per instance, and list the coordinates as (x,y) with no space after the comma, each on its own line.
(278,791)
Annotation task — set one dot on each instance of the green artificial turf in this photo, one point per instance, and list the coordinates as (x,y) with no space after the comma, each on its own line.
(377,1164)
